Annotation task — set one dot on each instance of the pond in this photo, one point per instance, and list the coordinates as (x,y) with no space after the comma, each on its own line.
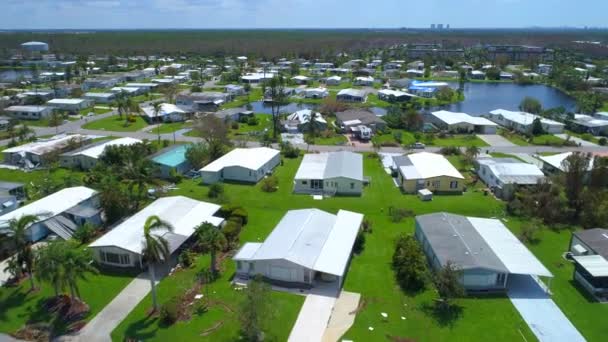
(481,98)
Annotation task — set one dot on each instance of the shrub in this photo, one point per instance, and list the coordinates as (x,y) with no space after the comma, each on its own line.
(398,214)
(216,190)
(359,242)
(166,143)
(85,233)
(270,184)
(131,118)
(232,230)
(602,141)
(450,151)
(232,212)
(186,259)
(366,225)
(175,176)
(253,121)
(234,125)
(290,151)
(242,213)
(169,311)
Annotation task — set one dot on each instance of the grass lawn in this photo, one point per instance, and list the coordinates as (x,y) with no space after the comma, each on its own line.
(547,139)
(138,325)
(145,97)
(458,140)
(255,94)
(93,110)
(115,123)
(408,138)
(369,274)
(19,306)
(584,136)
(516,139)
(171,127)
(337,139)
(505,155)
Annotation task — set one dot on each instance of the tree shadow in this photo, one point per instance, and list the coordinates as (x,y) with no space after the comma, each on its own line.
(582,291)
(14,299)
(138,329)
(443,315)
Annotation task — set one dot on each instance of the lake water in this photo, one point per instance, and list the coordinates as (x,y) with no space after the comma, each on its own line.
(481,98)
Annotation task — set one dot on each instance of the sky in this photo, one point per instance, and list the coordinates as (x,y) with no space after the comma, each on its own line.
(133,14)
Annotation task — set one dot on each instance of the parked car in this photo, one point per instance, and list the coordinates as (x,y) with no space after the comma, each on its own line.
(418,145)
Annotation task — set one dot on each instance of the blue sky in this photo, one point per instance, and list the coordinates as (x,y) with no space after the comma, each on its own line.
(57,14)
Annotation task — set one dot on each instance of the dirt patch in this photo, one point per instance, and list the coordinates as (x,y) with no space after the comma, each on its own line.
(360,307)
(399,339)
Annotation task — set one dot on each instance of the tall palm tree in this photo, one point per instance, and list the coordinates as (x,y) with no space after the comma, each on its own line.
(157,107)
(50,265)
(17,233)
(211,239)
(313,125)
(155,248)
(129,105)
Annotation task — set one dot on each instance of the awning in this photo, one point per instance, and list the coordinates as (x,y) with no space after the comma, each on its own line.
(596,265)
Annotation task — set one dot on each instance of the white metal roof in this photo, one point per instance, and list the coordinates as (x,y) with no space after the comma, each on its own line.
(66,101)
(303,116)
(510,170)
(511,252)
(311,238)
(452,118)
(183,213)
(28,109)
(165,109)
(247,251)
(426,165)
(47,145)
(331,165)
(96,151)
(141,85)
(249,158)
(523,118)
(596,265)
(102,95)
(556,160)
(52,205)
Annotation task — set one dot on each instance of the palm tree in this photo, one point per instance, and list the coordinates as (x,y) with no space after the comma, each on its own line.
(129,105)
(312,126)
(76,264)
(50,265)
(157,107)
(138,172)
(211,239)
(17,232)
(155,248)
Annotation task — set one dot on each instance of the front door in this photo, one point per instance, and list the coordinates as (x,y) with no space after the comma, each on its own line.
(316,184)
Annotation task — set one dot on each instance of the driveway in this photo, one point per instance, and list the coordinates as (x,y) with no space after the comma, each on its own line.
(576,140)
(495,140)
(100,327)
(342,317)
(314,314)
(539,311)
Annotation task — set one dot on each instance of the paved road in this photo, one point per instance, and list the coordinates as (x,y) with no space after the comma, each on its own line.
(538,310)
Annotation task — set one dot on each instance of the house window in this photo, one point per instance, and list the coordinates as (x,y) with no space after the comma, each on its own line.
(251,267)
(352,185)
(239,265)
(436,184)
(113,258)
(453,185)
(304,182)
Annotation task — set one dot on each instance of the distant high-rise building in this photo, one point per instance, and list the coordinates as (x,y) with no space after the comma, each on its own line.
(432,26)
(440,26)
(447,27)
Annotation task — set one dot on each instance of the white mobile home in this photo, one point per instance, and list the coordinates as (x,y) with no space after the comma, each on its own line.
(70,104)
(339,173)
(122,246)
(523,122)
(32,154)
(60,213)
(483,250)
(247,165)
(168,113)
(307,247)
(505,175)
(86,157)
(100,97)
(461,122)
(29,112)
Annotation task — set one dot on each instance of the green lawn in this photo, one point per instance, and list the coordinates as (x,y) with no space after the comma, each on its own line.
(255,94)
(337,139)
(505,155)
(584,136)
(515,138)
(370,272)
(19,306)
(94,110)
(171,127)
(146,97)
(458,140)
(138,325)
(115,123)
(547,139)
(408,138)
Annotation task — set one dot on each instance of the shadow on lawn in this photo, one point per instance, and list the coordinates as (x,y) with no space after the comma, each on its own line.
(581,290)
(138,330)
(444,316)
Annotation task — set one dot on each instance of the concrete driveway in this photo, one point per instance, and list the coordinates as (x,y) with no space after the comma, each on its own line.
(538,310)
(495,140)
(579,141)
(315,314)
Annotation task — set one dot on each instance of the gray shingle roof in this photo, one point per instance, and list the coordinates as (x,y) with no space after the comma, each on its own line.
(596,238)
(453,238)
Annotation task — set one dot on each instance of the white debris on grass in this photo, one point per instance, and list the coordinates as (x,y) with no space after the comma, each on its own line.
(198,296)
(371,328)
(384,314)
